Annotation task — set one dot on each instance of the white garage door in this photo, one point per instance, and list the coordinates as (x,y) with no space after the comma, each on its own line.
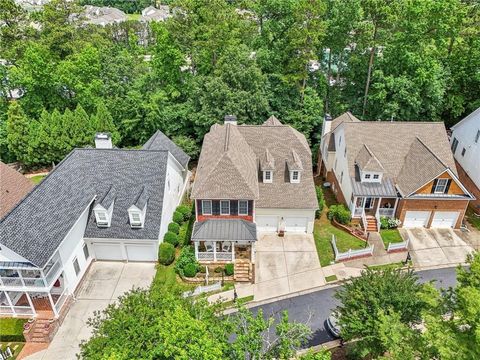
(416,219)
(296,224)
(266,223)
(107,251)
(140,252)
(444,219)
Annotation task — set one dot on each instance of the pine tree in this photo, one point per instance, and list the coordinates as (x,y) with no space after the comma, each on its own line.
(103,122)
(17,131)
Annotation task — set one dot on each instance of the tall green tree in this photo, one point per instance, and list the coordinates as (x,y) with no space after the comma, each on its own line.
(17,131)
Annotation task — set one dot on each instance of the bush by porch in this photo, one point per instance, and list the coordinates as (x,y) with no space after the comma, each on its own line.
(11,329)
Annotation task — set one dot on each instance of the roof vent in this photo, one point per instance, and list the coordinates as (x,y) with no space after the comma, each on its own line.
(230,119)
(103,141)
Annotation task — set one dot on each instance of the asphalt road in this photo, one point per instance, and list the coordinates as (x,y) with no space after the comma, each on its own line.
(314,308)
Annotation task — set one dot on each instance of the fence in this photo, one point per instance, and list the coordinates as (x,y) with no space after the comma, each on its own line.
(203,289)
(398,246)
(368,251)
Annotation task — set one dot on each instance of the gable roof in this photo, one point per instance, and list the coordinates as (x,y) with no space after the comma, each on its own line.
(36,227)
(13,187)
(367,161)
(401,148)
(473,115)
(159,141)
(283,145)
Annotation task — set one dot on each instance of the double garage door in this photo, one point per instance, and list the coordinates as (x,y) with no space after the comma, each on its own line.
(441,219)
(120,251)
(269,223)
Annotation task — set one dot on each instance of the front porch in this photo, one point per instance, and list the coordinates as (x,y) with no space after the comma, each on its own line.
(223,251)
(373,206)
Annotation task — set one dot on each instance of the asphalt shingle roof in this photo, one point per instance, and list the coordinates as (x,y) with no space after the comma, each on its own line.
(159,141)
(36,226)
(13,187)
(221,229)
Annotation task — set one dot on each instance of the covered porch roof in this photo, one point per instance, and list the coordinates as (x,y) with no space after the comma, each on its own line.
(224,229)
(386,188)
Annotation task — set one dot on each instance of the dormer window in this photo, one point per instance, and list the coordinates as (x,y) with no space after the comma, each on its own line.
(136,212)
(267,176)
(136,219)
(376,177)
(102,218)
(371,177)
(294,176)
(367,176)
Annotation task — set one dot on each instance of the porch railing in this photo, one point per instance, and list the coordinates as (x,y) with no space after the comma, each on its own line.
(210,256)
(52,273)
(61,301)
(16,310)
(357,212)
(377,217)
(364,220)
(386,212)
(22,281)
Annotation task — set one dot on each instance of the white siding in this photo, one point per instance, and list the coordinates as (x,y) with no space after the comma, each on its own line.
(175,183)
(342,164)
(299,213)
(465,133)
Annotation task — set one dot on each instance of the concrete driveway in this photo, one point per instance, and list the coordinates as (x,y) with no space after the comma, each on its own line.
(436,247)
(286,265)
(102,285)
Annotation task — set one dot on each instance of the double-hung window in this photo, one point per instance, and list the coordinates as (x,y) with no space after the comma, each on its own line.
(76,266)
(454,145)
(267,176)
(224,207)
(207,207)
(477,137)
(242,207)
(102,218)
(135,219)
(295,176)
(441,186)
(86,253)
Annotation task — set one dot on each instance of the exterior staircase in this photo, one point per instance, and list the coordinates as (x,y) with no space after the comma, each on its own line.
(242,270)
(40,331)
(372,224)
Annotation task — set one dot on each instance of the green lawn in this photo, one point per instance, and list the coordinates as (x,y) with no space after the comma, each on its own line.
(16,347)
(390,236)
(37,178)
(134,17)
(322,234)
(11,329)
(472,219)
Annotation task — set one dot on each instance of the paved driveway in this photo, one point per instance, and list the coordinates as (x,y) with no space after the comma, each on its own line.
(102,285)
(436,247)
(286,265)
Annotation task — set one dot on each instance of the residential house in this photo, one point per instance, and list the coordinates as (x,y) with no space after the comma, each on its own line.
(13,187)
(401,170)
(151,13)
(103,15)
(465,144)
(250,179)
(98,203)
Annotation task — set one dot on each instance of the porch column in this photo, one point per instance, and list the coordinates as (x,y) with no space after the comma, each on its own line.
(252,251)
(52,305)
(378,205)
(44,279)
(30,302)
(395,207)
(196,249)
(354,206)
(233,251)
(214,251)
(21,277)
(9,302)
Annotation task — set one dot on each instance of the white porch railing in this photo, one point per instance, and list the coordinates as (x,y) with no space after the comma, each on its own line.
(61,300)
(377,217)
(16,310)
(364,220)
(357,212)
(207,256)
(53,272)
(211,256)
(350,253)
(22,281)
(398,246)
(386,212)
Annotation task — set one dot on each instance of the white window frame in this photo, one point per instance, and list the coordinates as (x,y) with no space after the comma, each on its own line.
(376,176)
(336,161)
(246,202)
(87,255)
(464,151)
(102,222)
(270,174)
(134,223)
(75,260)
(368,176)
(203,207)
(292,176)
(341,178)
(477,137)
(454,145)
(223,202)
(441,186)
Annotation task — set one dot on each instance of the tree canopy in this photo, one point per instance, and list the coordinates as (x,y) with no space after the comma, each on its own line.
(380,59)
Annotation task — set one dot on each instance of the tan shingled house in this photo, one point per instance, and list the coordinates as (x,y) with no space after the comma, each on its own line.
(396,169)
(250,178)
(13,187)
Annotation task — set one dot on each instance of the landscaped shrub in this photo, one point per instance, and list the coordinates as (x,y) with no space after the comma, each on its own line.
(11,330)
(321,201)
(190,270)
(389,223)
(340,213)
(229,269)
(171,238)
(187,256)
(173,227)
(186,211)
(166,253)
(218,270)
(178,217)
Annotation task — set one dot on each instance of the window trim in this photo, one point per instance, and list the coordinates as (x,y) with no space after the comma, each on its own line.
(203,207)
(134,222)
(454,145)
(75,260)
(368,176)
(270,173)
(477,137)
(239,213)
(87,255)
(224,201)
(464,151)
(438,185)
(101,222)
(376,176)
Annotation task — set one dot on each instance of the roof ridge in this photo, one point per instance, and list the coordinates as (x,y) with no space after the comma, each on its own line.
(155,135)
(241,174)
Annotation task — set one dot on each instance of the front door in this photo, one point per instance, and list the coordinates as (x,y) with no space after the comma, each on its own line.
(369,202)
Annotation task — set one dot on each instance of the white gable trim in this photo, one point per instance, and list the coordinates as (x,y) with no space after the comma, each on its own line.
(453,176)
